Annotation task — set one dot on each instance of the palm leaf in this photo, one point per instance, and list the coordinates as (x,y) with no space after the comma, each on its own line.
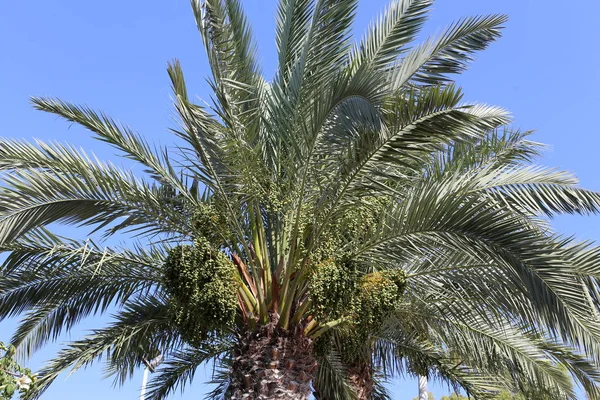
(141,326)
(431,62)
(388,36)
(179,370)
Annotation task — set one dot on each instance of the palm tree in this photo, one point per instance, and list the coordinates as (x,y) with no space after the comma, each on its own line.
(424,394)
(291,214)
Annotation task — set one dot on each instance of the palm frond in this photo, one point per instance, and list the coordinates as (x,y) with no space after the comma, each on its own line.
(58,284)
(431,62)
(388,36)
(331,380)
(143,327)
(293,24)
(538,190)
(421,128)
(231,54)
(178,371)
(498,148)
(474,347)
(123,138)
(50,183)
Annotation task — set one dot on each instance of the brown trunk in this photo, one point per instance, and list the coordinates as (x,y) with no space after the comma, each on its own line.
(360,377)
(272,363)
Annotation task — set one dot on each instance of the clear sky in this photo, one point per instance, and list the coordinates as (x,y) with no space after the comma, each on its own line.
(112,56)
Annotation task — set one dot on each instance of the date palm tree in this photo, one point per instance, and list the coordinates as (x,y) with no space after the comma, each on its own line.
(296,212)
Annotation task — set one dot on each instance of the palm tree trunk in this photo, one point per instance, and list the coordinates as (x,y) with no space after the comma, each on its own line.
(144,383)
(360,377)
(272,364)
(423,393)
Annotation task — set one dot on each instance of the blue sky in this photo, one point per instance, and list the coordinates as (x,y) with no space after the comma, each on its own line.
(112,56)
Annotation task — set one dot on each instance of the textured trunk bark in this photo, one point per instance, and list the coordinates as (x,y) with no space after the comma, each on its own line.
(423,393)
(272,364)
(361,378)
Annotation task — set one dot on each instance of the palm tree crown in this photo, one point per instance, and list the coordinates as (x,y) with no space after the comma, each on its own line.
(351,218)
